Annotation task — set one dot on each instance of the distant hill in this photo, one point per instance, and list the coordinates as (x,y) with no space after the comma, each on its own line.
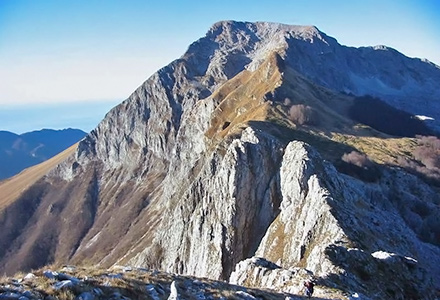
(18,152)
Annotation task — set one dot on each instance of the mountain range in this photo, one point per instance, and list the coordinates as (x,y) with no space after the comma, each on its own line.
(18,152)
(266,154)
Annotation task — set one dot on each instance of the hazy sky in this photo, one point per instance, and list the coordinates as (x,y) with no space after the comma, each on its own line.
(77,52)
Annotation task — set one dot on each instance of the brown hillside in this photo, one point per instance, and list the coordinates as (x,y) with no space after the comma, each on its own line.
(12,188)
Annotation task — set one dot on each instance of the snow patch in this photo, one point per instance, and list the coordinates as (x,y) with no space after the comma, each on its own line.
(382,255)
(423,118)
(386,256)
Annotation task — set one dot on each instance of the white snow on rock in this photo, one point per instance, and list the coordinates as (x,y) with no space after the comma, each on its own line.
(424,118)
(358,296)
(393,256)
(382,255)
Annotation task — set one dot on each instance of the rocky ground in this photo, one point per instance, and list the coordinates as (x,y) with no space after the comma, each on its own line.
(126,283)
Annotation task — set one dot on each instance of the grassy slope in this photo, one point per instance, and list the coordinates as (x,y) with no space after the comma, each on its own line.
(12,188)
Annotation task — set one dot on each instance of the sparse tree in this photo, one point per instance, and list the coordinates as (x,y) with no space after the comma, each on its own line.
(302,115)
(428,152)
(357,159)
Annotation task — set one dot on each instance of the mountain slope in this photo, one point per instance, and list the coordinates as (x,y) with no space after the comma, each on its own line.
(207,162)
(18,152)
(12,188)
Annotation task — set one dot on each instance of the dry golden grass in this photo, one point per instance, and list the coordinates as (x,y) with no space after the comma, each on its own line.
(11,189)
(378,149)
(277,252)
(241,99)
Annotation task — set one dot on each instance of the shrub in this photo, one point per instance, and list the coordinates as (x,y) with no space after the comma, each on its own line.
(424,164)
(357,159)
(287,102)
(358,165)
(303,115)
(430,141)
(428,152)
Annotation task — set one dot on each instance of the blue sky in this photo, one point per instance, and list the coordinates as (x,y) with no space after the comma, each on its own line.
(60,57)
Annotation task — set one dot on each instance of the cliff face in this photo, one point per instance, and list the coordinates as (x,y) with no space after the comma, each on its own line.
(207,164)
(347,231)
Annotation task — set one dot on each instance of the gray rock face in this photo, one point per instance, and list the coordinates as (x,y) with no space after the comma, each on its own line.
(324,214)
(257,271)
(220,231)
(305,212)
(160,183)
(142,129)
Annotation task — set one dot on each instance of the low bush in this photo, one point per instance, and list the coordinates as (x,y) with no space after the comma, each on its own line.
(302,114)
(428,152)
(357,159)
(358,165)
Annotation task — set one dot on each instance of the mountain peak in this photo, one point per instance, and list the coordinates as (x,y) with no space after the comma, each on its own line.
(263,28)
(383,48)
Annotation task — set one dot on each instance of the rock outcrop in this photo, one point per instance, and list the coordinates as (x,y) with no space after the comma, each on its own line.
(122,283)
(345,232)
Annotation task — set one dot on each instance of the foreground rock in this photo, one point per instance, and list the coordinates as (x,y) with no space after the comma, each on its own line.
(117,284)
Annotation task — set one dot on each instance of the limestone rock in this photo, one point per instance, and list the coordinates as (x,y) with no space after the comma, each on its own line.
(174,295)
(322,212)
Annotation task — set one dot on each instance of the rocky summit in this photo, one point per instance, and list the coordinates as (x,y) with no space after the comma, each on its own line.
(266,155)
